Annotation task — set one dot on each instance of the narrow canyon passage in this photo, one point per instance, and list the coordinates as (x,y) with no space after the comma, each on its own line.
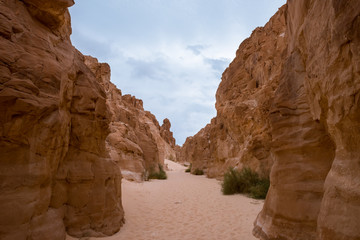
(184,207)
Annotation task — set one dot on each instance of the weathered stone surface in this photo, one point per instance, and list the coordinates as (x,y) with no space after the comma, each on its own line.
(196,150)
(55,172)
(315,181)
(294,102)
(166,134)
(240,134)
(136,141)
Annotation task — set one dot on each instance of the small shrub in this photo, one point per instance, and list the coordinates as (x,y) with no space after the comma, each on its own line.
(189,168)
(259,191)
(232,182)
(198,172)
(245,181)
(249,179)
(161,174)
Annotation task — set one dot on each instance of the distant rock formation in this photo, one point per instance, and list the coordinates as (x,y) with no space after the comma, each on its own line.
(136,141)
(166,134)
(240,133)
(291,100)
(197,150)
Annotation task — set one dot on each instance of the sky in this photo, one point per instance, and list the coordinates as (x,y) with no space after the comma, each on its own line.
(169,53)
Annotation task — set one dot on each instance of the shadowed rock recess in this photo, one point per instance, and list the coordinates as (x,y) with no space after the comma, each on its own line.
(59,166)
(290,103)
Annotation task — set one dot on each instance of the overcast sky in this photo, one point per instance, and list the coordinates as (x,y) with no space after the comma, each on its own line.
(169,53)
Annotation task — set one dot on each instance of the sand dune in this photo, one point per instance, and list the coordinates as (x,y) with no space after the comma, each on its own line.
(184,207)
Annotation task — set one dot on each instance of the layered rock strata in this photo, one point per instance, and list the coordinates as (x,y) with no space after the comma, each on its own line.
(56,175)
(136,141)
(315,122)
(240,133)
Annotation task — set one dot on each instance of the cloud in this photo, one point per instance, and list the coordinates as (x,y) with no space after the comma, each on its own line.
(151,69)
(218,65)
(196,49)
(91,44)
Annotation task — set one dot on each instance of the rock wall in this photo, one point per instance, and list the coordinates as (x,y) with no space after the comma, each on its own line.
(240,133)
(291,100)
(196,149)
(136,141)
(55,172)
(315,122)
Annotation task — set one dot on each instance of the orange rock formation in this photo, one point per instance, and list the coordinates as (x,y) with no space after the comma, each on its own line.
(315,122)
(54,168)
(59,166)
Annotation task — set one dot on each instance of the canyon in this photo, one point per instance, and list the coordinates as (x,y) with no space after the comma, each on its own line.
(288,107)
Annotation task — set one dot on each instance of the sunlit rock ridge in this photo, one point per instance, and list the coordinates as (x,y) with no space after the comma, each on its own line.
(290,103)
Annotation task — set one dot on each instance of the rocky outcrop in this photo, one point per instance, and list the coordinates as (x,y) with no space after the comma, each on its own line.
(240,133)
(136,141)
(166,134)
(55,173)
(315,122)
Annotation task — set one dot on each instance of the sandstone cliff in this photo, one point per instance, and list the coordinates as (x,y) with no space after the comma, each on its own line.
(66,131)
(240,133)
(315,122)
(291,99)
(136,141)
(55,172)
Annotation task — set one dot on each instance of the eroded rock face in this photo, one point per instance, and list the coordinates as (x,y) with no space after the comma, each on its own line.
(136,141)
(196,150)
(166,133)
(55,172)
(291,97)
(315,121)
(240,133)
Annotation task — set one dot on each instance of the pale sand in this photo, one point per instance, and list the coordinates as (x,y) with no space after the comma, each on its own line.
(184,207)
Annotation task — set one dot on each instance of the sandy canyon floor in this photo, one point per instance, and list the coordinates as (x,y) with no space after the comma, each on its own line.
(184,207)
